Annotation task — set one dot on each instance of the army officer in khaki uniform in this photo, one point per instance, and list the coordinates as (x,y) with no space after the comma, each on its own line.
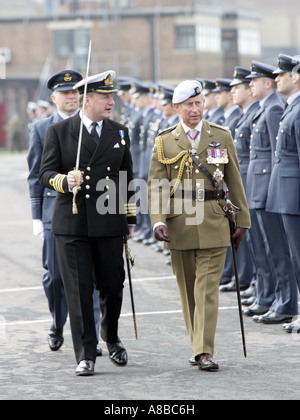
(192,223)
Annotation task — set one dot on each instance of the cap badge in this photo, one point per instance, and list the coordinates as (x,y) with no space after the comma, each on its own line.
(108,81)
(67,77)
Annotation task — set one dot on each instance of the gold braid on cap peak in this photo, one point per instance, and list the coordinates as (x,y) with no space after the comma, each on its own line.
(161,157)
(57,182)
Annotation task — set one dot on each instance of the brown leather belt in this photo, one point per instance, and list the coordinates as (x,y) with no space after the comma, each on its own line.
(200,194)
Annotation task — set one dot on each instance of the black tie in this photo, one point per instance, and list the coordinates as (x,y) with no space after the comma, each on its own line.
(94,133)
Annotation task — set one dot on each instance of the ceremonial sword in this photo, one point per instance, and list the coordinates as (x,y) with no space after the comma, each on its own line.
(77,172)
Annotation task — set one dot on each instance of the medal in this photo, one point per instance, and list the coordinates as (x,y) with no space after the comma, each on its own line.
(217,156)
(121,133)
(218,175)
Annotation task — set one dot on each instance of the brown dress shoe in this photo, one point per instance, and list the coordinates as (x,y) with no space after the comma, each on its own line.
(206,362)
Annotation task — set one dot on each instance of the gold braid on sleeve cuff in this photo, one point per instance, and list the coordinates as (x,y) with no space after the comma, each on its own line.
(130,209)
(57,183)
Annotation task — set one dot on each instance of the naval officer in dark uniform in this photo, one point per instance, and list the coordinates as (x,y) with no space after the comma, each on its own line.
(283,194)
(274,291)
(90,243)
(66,100)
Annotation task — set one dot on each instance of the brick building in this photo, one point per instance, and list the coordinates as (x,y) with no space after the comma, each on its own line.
(152,40)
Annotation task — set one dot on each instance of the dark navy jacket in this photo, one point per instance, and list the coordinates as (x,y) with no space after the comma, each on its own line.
(42,199)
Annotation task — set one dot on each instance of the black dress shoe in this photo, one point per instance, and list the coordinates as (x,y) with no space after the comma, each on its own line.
(85,368)
(117,353)
(206,362)
(225,280)
(256,309)
(249,301)
(293,327)
(273,318)
(193,361)
(231,287)
(248,293)
(99,351)
(55,338)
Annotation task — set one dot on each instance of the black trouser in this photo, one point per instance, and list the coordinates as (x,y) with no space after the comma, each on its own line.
(84,261)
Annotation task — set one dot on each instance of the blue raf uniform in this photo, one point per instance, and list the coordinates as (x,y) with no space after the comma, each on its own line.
(233,114)
(42,204)
(231,118)
(242,133)
(214,115)
(273,291)
(284,188)
(125,85)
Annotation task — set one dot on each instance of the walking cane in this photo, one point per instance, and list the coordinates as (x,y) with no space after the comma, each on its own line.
(130,261)
(231,223)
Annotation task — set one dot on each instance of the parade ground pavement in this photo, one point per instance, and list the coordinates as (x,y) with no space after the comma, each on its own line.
(158,368)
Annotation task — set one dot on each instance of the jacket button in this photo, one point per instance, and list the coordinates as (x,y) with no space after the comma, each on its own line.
(88,168)
(87,187)
(87,196)
(87,177)
(108,168)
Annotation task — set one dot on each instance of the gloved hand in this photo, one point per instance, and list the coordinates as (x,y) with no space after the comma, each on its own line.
(38,228)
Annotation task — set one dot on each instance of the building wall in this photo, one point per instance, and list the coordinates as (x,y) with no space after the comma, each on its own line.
(141,41)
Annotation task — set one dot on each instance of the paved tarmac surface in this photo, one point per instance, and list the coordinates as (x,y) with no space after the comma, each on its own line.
(158,367)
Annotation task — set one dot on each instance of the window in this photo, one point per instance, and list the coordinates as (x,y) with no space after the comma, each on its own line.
(229,41)
(198,38)
(68,42)
(208,39)
(186,37)
(249,42)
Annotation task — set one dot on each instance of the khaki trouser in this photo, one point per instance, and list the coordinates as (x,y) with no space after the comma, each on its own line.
(198,274)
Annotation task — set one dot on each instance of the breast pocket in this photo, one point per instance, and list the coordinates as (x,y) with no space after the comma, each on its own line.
(261,179)
(286,137)
(260,136)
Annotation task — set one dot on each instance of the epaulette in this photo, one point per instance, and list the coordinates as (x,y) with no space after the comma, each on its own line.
(218,126)
(168,130)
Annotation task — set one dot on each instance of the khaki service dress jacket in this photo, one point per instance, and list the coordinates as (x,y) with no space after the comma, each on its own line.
(213,231)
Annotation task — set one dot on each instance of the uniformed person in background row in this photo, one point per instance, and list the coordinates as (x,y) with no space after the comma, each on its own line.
(124,93)
(43,198)
(284,187)
(232,114)
(90,243)
(242,96)
(198,242)
(212,112)
(276,300)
